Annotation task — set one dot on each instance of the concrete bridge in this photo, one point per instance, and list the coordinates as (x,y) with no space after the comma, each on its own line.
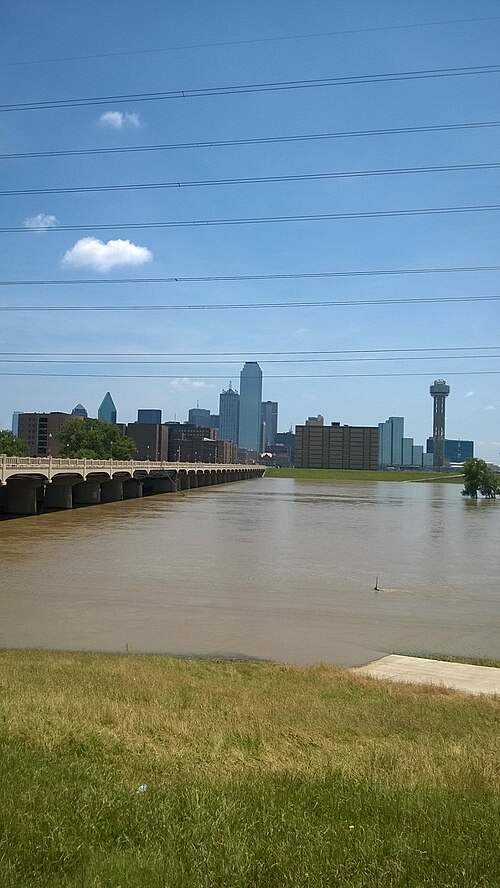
(29,485)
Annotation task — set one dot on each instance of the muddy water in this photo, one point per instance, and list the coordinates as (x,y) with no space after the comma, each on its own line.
(270,568)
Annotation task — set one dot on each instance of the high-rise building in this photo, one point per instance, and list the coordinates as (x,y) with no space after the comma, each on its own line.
(269,423)
(315,420)
(15,422)
(107,410)
(454,450)
(250,406)
(149,416)
(151,440)
(336,447)
(439,392)
(198,416)
(79,410)
(390,441)
(229,414)
(41,431)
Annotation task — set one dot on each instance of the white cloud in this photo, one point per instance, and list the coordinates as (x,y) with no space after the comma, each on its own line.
(118,119)
(40,222)
(470,394)
(490,407)
(183,384)
(90,252)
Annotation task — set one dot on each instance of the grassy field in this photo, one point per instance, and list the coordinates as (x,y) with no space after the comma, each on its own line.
(257,775)
(347,475)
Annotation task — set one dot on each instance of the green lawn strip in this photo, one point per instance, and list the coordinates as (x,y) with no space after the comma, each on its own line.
(257,774)
(352,475)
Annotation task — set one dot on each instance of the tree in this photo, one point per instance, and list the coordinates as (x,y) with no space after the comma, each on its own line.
(479,478)
(12,446)
(94,439)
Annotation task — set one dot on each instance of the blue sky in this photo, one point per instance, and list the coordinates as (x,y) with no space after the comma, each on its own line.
(378,40)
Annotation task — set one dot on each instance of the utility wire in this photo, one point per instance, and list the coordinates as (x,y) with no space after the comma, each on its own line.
(268,376)
(346,351)
(266,140)
(256,180)
(252,305)
(239,89)
(252,277)
(265,361)
(220,43)
(259,220)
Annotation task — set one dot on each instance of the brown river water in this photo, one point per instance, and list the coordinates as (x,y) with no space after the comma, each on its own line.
(269,568)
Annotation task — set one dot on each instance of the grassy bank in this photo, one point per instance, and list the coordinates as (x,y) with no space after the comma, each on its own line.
(347,475)
(257,774)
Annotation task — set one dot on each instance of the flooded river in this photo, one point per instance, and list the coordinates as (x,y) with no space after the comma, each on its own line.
(271,568)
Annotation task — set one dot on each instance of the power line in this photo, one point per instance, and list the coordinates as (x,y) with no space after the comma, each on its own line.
(268,376)
(239,89)
(252,277)
(252,305)
(266,140)
(260,220)
(257,180)
(220,43)
(265,361)
(346,351)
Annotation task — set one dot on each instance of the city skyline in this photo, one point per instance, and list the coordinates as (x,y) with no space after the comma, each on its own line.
(229,402)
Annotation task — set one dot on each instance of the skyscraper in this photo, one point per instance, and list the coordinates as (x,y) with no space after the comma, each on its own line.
(107,410)
(79,410)
(15,422)
(439,392)
(390,441)
(149,416)
(269,422)
(229,413)
(250,406)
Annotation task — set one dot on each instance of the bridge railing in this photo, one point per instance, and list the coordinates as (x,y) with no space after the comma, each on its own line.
(55,462)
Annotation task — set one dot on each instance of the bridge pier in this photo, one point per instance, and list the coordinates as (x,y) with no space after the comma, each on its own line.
(132,489)
(193,481)
(87,493)
(183,481)
(112,491)
(161,485)
(21,496)
(58,496)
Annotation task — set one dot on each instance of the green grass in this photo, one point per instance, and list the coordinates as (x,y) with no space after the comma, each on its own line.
(348,475)
(258,775)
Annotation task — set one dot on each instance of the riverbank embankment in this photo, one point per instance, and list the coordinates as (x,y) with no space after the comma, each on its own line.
(122,769)
(362,476)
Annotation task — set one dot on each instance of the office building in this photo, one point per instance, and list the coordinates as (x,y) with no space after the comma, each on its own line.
(390,437)
(417,456)
(41,431)
(315,420)
(107,410)
(250,406)
(336,447)
(149,416)
(288,440)
(15,422)
(79,410)
(180,432)
(454,451)
(229,414)
(439,392)
(151,440)
(199,417)
(407,452)
(269,415)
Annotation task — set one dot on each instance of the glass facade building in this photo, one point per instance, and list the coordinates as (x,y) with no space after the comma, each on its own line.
(250,406)
(229,414)
(107,410)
